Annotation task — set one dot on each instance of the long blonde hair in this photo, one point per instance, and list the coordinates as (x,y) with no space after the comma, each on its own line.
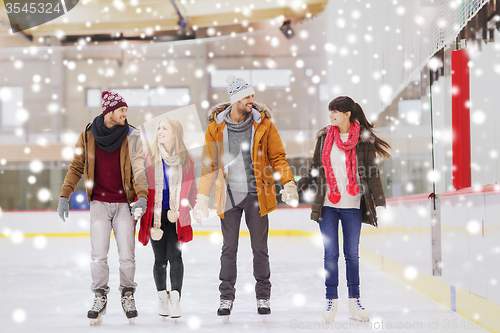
(179,147)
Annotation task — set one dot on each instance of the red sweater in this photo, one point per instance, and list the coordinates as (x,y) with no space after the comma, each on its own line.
(108,185)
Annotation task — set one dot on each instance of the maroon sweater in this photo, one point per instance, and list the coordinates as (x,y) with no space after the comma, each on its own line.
(108,185)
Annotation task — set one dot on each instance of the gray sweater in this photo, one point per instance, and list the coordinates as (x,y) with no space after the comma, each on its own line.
(241,176)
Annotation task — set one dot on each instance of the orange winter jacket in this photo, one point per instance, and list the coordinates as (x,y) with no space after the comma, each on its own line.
(268,157)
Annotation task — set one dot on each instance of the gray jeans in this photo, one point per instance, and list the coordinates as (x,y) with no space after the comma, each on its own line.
(258,227)
(104,217)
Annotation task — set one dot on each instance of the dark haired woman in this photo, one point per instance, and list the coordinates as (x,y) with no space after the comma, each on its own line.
(347,186)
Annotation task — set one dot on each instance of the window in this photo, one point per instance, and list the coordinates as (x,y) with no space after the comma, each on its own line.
(11,100)
(268,77)
(144,98)
(271,77)
(324,94)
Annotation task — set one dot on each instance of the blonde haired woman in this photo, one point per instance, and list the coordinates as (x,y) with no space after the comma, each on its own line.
(172,191)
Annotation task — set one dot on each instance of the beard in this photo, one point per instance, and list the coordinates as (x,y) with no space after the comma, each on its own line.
(243,109)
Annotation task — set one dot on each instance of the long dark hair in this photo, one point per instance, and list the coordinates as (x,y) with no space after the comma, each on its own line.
(345,104)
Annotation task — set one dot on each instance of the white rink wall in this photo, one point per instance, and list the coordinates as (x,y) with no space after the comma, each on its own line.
(470,234)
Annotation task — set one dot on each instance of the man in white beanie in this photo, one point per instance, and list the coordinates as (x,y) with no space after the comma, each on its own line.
(242,149)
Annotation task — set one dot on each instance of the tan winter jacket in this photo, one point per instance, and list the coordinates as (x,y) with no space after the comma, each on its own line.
(268,157)
(134,183)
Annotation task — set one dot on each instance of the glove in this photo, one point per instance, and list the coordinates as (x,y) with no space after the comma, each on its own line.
(63,208)
(200,210)
(139,208)
(289,194)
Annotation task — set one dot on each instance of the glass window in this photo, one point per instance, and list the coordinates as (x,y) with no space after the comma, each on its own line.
(144,98)
(94,98)
(11,99)
(271,77)
(134,97)
(169,97)
(324,94)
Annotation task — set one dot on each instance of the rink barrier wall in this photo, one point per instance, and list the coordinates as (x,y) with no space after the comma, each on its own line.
(481,311)
(470,230)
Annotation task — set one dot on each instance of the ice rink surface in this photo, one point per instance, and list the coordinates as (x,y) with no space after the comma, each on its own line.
(47,289)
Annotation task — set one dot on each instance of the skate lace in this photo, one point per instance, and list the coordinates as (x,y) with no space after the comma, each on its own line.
(263,303)
(358,304)
(99,302)
(329,305)
(128,303)
(225,304)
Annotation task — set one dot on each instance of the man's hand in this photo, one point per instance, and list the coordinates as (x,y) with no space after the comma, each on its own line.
(63,208)
(200,210)
(289,194)
(139,208)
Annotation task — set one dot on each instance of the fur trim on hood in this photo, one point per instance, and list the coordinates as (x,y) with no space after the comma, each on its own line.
(263,108)
(365,135)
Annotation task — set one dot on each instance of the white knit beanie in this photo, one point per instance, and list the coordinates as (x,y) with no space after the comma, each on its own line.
(238,88)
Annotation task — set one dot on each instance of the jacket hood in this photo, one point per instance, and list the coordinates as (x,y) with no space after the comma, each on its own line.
(365,135)
(262,108)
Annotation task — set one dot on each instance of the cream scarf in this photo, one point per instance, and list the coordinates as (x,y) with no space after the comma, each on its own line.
(174,187)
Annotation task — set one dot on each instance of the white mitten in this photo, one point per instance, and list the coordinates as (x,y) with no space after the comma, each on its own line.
(156,234)
(289,194)
(200,210)
(173,215)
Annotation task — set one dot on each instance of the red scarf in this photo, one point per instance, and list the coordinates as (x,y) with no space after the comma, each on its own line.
(349,147)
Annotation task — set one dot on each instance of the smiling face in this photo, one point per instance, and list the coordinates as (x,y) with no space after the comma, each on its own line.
(118,116)
(339,119)
(165,134)
(245,104)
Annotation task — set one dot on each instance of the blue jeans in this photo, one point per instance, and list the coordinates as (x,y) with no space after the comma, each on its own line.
(351,228)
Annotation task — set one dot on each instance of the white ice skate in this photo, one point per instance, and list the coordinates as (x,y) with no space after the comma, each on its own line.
(224,310)
(175,302)
(332,306)
(98,309)
(128,305)
(358,310)
(163,309)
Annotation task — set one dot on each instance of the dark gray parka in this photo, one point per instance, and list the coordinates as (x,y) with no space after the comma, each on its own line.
(368,173)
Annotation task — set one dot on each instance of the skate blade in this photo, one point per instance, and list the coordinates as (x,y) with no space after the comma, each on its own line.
(131,321)
(361,320)
(225,320)
(96,321)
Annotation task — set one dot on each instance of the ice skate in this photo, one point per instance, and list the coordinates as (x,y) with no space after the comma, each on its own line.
(98,308)
(358,310)
(225,308)
(128,304)
(163,308)
(331,309)
(263,308)
(175,302)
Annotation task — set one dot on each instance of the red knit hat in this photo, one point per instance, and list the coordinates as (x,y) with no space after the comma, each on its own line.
(111,101)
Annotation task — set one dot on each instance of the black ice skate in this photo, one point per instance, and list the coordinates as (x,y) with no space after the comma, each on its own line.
(128,304)
(98,309)
(263,307)
(225,308)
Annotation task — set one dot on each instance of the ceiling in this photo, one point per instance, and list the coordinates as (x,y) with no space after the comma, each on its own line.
(146,18)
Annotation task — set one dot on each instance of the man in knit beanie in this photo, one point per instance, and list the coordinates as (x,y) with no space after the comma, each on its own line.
(111,159)
(242,149)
